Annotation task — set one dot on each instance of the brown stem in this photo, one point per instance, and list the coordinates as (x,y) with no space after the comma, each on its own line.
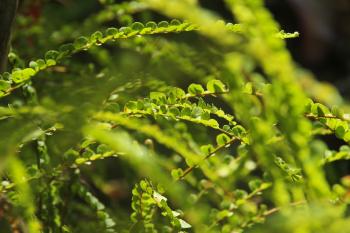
(8,10)
(314,117)
(276,209)
(190,169)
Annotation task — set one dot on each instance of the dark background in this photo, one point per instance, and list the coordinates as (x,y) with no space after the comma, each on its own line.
(324,43)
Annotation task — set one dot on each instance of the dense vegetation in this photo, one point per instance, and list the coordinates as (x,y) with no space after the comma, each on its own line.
(159,116)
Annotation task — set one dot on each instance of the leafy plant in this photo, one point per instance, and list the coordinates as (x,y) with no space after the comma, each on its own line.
(172,120)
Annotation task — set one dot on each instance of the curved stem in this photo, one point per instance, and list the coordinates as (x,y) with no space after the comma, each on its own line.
(190,169)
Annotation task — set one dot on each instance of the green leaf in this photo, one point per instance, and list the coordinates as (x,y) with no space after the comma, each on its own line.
(160,188)
(174,111)
(22,75)
(159,197)
(240,194)
(50,62)
(67,48)
(96,36)
(143,185)
(238,131)
(223,214)
(196,112)
(6,76)
(207,149)
(337,111)
(111,31)
(205,115)
(131,105)
(109,222)
(216,86)
(125,30)
(113,107)
(163,24)
(151,24)
(212,123)
(184,224)
(344,148)
(195,89)
(222,139)
(34,65)
(51,54)
(254,184)
(95,157)
(80,160)
(248,88)
(137,26)
(178,92)
(80,42)
(346,136)
(340,131)
(41,63)
(159,97)
(308,105)
(28,72)
(186,111)
(88,153)
(102,148)
(177,173)
(4,85)
(319,110)
(175,22)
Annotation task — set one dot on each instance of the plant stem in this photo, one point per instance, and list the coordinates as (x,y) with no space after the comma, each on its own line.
(8,10)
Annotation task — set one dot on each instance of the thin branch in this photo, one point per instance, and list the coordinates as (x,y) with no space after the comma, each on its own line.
(190,169)
(276,209)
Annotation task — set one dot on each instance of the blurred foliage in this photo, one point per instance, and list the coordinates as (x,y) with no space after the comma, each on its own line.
(158,116)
